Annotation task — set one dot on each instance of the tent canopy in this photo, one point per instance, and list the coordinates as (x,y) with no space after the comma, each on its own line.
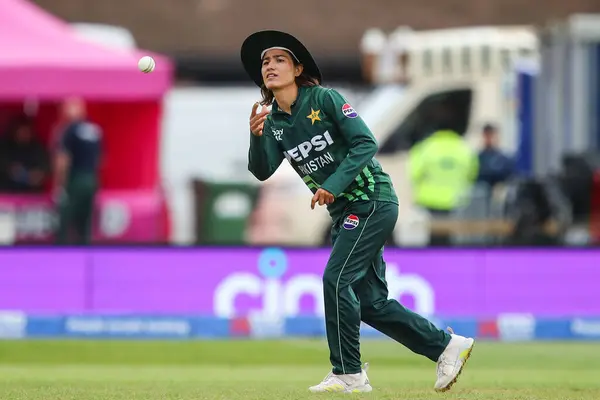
(42,57)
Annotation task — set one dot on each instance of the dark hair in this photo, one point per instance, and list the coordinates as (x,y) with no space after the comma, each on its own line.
(303,80)
(489,128)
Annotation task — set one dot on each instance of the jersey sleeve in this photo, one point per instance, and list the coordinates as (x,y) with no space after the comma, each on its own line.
(65,141)
(264,156)
(362,145)
(100,145)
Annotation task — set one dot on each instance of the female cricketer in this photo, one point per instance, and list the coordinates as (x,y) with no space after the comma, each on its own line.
(330,147)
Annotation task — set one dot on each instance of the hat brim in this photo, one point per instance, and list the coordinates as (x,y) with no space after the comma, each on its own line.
(256,43)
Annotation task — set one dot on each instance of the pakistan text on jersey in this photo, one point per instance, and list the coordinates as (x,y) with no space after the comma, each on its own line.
(316,164)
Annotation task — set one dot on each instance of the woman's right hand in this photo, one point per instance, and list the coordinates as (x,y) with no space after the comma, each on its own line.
(257,121)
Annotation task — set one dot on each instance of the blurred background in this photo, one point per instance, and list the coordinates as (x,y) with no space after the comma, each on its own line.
(517,83)
(506,252)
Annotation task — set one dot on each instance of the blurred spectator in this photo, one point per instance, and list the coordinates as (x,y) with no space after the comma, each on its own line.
(494,166)
(385,59)
(442,170)
(535,206)
(24,161)
(77,166)
(372,47)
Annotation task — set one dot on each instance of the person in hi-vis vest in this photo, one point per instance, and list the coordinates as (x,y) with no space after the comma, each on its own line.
(442,169)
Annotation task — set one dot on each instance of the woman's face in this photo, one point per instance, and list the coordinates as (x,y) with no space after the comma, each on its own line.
(278,69)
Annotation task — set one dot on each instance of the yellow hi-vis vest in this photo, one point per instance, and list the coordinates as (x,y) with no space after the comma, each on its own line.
(442,169)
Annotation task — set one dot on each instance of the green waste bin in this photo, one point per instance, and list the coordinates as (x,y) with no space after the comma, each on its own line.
(223,211)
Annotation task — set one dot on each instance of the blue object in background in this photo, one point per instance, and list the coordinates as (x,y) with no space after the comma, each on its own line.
(552,329)
(526,115)
(13,325)
(45,326)
(196,327)
(595,93)
(463,326)
(134,327)
(127,327)
(304,326)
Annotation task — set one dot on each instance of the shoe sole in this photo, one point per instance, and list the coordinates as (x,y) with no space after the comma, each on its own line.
(365,389)
(453,381)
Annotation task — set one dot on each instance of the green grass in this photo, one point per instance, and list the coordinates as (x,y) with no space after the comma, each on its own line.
(282,370)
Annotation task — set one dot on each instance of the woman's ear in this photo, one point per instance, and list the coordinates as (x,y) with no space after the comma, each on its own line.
(299,69)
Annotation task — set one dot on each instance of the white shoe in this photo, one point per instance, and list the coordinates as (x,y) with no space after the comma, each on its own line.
(349,383)
(452,361)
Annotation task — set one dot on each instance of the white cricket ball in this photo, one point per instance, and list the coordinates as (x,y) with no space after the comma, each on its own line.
(146,64)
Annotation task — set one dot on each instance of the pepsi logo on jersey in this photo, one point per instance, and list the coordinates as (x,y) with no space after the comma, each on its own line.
(348,111)
(351,222)
(303,150)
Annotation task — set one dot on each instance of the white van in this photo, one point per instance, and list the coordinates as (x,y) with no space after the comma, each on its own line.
(470,69)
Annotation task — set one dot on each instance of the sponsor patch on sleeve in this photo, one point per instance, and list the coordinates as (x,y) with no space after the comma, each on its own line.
(348,111)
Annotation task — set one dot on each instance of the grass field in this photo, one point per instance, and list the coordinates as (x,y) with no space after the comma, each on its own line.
(282,370)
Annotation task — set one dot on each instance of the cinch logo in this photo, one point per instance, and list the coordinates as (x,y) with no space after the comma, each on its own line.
(302,151)
(278,298)
(266,295)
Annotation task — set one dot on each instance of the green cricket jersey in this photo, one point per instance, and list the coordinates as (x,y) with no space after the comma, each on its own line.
(329,146)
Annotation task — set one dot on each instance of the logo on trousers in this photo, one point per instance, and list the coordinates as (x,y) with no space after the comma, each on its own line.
(351,222)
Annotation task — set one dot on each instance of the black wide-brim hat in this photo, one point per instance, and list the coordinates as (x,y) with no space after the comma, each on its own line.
(255,45)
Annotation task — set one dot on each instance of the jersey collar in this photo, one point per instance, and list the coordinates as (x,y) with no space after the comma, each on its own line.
(275,109)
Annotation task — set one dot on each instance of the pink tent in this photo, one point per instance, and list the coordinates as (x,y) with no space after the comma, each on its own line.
(42,57)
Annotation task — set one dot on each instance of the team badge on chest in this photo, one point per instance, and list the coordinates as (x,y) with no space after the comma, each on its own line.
(350,222)
(314,116)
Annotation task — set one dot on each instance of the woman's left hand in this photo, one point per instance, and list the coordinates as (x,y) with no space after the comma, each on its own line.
(323,197)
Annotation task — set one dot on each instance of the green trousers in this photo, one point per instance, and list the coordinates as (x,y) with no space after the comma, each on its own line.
(355,290)
(76,210)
